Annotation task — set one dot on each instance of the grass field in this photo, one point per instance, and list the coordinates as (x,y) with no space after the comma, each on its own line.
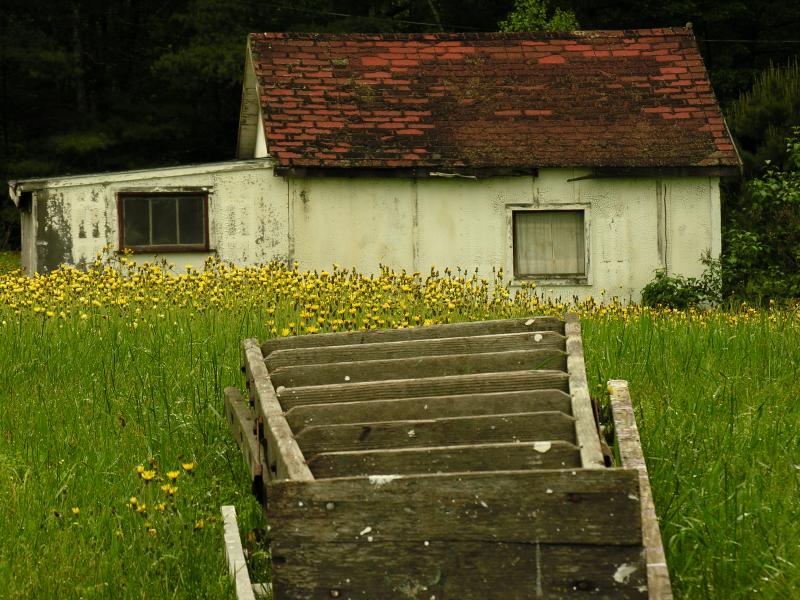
(108,379)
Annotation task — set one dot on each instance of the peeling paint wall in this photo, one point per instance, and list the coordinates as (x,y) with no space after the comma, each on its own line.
(632,226)
(467,223)
(77,217)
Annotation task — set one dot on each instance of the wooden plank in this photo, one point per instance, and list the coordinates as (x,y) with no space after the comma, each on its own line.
(416,348)
(447,459)
(284,457)
(259,385)
(571,506)
(416,333)
(511,381)
(427,366)
(237,567)
(454,569)
(242,426)
(455,431)
(585,426)
(427,407)
(630,450)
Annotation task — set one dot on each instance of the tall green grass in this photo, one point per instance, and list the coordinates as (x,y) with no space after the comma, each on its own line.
(82,403)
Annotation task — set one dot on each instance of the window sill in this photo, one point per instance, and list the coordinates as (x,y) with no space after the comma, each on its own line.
(550,281)
(166,250)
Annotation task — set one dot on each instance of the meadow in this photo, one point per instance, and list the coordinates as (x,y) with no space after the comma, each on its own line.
(115,458)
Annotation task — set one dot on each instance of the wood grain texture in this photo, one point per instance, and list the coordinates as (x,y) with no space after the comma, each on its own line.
(242,426)
(412,368)
(427,407)
(447,459)
(572,506)
(259,385)
(416,348)
(524,427)
(630,450)
(585,425)
(284,457)
(416,333)
(454,570)
(510,381)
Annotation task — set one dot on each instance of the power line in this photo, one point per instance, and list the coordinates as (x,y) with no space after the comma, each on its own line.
(750,41)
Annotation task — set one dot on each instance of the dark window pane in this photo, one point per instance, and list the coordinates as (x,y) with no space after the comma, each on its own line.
(165,221)
(192,223)
(136,221)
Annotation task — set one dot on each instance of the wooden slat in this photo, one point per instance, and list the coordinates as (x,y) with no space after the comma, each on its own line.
(259,385)
(416,348)
(242,426)
(416,333)
(510,381)
(523,427)
(454,570)
(284,458)
(427,407)
(237,567)
(427,366)
(630,450)
(447,459)
(585,426)
(572,506)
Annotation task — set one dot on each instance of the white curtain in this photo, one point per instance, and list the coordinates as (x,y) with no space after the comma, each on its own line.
(549,242)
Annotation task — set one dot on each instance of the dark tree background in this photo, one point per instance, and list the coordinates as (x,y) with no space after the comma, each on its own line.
(94,85)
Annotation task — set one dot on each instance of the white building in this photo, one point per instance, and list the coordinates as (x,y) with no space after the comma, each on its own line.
(581,161)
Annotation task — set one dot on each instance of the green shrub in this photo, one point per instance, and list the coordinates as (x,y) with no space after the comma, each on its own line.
(676,291)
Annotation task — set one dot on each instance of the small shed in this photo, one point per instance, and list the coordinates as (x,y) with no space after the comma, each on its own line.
(582,161)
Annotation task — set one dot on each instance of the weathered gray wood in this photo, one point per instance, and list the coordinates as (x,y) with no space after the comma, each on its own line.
(427,407)
(416,348)
(447,459)
(416,333)
(523,427)
(237,567)
(259,385)
(454,569)
(630,450)
(510,381)
(572,506)
(585,426)
(242,426)
(284,457)
(411,368)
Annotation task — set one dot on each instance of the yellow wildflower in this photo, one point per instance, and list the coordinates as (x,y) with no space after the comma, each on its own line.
(76,511)
(199,524)
(148,475)
(173,475)
(140,469)
(188,467)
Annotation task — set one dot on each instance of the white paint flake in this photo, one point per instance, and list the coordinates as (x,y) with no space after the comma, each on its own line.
(347,377)
(537,337)
(279,389)
(624,572)
(365,531)
(548,491)
(382,479)
(529,322)
(542,446)
(411,433)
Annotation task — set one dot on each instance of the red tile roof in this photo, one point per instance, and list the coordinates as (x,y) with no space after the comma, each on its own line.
(485,100)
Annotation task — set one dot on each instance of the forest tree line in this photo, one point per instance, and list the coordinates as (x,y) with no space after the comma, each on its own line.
(92,85)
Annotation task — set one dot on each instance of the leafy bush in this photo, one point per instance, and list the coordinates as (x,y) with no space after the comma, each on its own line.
(761,257)
(676,291)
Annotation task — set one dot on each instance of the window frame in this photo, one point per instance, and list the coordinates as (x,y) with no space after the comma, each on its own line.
(550,278)
(162,248)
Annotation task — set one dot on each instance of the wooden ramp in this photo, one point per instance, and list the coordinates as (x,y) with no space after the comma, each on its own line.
(447,462)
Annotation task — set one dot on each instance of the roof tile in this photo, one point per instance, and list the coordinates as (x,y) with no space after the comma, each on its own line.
(592,98)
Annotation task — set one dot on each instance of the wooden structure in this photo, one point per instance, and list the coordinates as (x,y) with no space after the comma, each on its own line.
(452,461)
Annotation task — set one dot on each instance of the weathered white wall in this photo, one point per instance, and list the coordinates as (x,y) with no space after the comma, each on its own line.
(467,223)
(77,216)
(633,226)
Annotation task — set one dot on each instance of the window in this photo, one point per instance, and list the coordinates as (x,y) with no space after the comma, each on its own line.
(549,243)
(163,222)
